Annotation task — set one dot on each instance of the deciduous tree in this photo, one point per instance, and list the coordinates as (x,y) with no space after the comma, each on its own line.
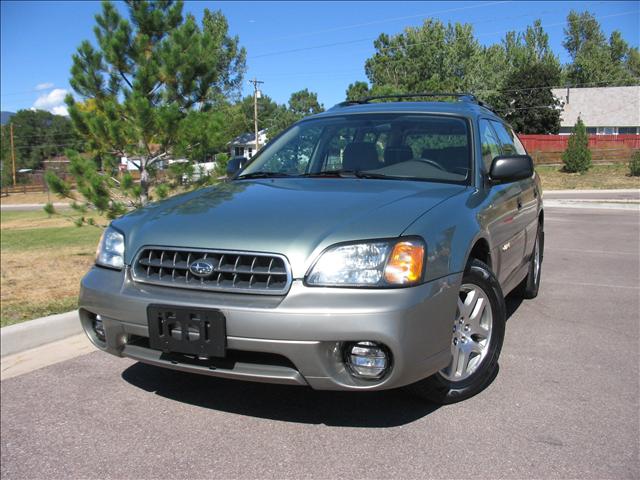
(357,91)
(304,103)
(531,70)
(594,60)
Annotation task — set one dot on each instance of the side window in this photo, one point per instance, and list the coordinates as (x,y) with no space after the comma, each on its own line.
(449,150)
(511,144)
(490,144)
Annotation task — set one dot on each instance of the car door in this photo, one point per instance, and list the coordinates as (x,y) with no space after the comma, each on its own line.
(502,207)
(527,215)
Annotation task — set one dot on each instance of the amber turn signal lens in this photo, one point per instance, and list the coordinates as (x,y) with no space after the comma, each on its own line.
(405,263)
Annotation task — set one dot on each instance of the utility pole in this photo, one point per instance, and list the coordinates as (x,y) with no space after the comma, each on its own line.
(13,155)
(256,95)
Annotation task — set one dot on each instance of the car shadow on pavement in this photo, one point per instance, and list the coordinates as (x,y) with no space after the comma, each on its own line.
(512,302)
(389,408)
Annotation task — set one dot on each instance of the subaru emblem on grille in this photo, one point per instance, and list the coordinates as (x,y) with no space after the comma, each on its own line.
(202,267)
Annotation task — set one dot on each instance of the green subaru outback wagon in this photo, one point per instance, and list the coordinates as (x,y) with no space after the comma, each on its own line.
(365,248)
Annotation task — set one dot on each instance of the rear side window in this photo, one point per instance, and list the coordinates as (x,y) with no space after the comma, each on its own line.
(511,144)
(490,144)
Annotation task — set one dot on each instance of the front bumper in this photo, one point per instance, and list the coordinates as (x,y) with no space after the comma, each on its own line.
(296,339)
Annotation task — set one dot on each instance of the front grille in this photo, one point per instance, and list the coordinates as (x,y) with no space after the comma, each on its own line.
(241,272)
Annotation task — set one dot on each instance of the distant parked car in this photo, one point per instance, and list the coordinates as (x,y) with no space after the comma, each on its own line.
(365,248)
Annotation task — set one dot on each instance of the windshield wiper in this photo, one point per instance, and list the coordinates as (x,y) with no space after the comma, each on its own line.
(326,173)
(349,174)
(361,174)
(265,175)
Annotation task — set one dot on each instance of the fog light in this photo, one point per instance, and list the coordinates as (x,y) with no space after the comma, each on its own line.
(367,359)
(98,328)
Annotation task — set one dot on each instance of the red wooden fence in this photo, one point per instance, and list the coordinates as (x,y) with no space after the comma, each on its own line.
(547,149)
(545,143)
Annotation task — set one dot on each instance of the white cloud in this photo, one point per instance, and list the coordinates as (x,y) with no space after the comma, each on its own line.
(52,102)
(60,110)
(44,86)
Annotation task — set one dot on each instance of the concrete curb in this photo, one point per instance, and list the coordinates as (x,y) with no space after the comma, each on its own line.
(628,206)
(594,190)
(31,334)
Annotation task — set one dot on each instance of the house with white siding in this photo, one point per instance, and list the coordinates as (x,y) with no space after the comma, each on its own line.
(604,110)
(245,145)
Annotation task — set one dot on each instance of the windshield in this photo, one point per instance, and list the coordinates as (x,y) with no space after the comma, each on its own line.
(393,146)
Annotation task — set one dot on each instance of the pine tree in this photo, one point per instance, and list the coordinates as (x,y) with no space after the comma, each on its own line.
(577,156)
(146,77)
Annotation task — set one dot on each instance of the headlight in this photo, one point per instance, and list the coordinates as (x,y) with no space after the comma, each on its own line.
(374,264)
(110,251)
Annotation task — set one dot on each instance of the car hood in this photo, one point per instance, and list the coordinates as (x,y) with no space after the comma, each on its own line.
(296,217)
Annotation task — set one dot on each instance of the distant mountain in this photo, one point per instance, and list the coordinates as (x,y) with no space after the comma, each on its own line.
(5,116)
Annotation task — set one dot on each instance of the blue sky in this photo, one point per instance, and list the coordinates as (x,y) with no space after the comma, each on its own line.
(290,45)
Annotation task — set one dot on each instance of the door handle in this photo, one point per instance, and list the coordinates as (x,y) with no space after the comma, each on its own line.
(519,203)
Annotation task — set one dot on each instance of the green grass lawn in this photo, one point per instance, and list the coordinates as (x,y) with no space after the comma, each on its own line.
(55,237)
(42,262)
(598,177)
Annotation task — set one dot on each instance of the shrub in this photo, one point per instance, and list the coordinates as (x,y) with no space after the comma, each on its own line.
(634,164)
(221,164)
(577,156)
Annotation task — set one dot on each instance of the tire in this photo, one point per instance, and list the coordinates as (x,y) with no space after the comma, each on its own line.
(531,284)
(478,333)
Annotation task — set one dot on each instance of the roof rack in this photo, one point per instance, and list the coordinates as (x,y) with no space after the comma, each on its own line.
(463,97)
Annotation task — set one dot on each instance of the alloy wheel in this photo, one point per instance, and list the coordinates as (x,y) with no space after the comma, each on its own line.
(471,333)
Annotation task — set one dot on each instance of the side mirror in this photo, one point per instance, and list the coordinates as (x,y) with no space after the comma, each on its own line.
(510,168)
(235,165)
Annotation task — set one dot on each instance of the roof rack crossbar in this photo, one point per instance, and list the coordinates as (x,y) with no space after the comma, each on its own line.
(463,97)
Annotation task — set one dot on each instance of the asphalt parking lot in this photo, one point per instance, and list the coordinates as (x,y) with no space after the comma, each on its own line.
(565,403)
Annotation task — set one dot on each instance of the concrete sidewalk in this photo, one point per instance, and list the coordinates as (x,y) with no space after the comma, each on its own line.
(30,207)
(622,199)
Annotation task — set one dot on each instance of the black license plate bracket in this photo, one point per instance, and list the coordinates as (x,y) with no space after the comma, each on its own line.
(192,331)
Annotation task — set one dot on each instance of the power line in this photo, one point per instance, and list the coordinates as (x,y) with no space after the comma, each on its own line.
(430,14)
(507,31)
(486,20)
(388,20)
(349,42)
(542,87)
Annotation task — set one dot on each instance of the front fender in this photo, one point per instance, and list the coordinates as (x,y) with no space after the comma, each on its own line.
(450,231)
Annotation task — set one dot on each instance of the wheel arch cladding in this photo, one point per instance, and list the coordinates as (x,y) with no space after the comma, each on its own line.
(481,251)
